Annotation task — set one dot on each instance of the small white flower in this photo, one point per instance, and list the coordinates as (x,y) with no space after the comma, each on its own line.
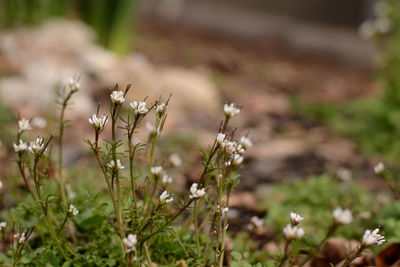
(20,237)
(379,168)
(160,108)
(365,215)
(39,122)
(24,125)
(372,237)
(293,232)
(117,97)
(246,142)
(156,170)
(342,216)
(230,146)
(130,242)
(1,185)
(230,110)
(382,25)
(344,174)
(256,222)
(237,159)
(367,29)
(175,160)
(239,148)
(98,122)
(74,83)
(139,108)
(74,211)
(22,146)
(71,194)
(224,210)
(295,218)
(221,139)
(111,165)
(195,192)
(165,197)
(3,225)
(166,179)
(36,147)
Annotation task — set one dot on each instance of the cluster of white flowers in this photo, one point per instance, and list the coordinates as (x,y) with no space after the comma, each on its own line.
(3,225)
(117,97)
(175,160)
(73,210)
(74,83)
(234,148)
(255,223)
(195,192)
(20,237)
(165,197)
(156,170)
(230,110)
(379,168)
(292,231)
(295,218)
(24,125)
(98,122)
(342,216)
(130,242)
(238,159)
(37,146)
(380,24)
(139,108)
(166,179)
(22,146)
(372,237)
(119,165)
(160,108)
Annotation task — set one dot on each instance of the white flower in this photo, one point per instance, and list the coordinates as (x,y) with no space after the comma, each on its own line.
(256,223)
(342,216)
(139,108)
(195,192)
(293,232)
(39,122)
(382,25)
(36,146)
(367,29)
(160,108)
(71,194)
(221,139)
(344,174)
(237,159)
(165,197)
(22,146)
(224,210)
(111,165)
(24,125)
(245,142)
(130,242)
(295,218)
(230,110)
(166,179)
(230,146)
(117,97)
(74,211)
(379,168)
(372,237)
(74,83)
(156,170)
(3,225)
(98,122)
(20,237)
(1,185)
(175,160)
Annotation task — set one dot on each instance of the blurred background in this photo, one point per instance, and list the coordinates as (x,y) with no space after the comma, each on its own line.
(310,75)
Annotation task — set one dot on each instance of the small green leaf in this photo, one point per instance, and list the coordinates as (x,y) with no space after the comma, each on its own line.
(236,255)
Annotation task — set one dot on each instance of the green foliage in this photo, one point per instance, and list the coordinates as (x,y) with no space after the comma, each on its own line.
(373,122)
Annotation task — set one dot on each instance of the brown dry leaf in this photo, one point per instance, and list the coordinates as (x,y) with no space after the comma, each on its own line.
(390,256)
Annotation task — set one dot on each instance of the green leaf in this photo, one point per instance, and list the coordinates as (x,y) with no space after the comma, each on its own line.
(236,255)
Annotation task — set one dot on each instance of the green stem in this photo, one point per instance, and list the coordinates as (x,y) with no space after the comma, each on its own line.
(196,228)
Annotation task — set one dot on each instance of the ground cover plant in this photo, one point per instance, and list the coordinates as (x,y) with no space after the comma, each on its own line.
(139,219)
(373,121)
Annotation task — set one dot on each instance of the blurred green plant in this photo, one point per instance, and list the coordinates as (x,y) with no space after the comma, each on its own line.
(112,20)
(373,122)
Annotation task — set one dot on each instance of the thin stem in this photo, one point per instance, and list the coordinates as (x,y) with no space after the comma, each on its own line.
(353,256)
(285,253)
(196,228)
(221,257)
(147,254)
